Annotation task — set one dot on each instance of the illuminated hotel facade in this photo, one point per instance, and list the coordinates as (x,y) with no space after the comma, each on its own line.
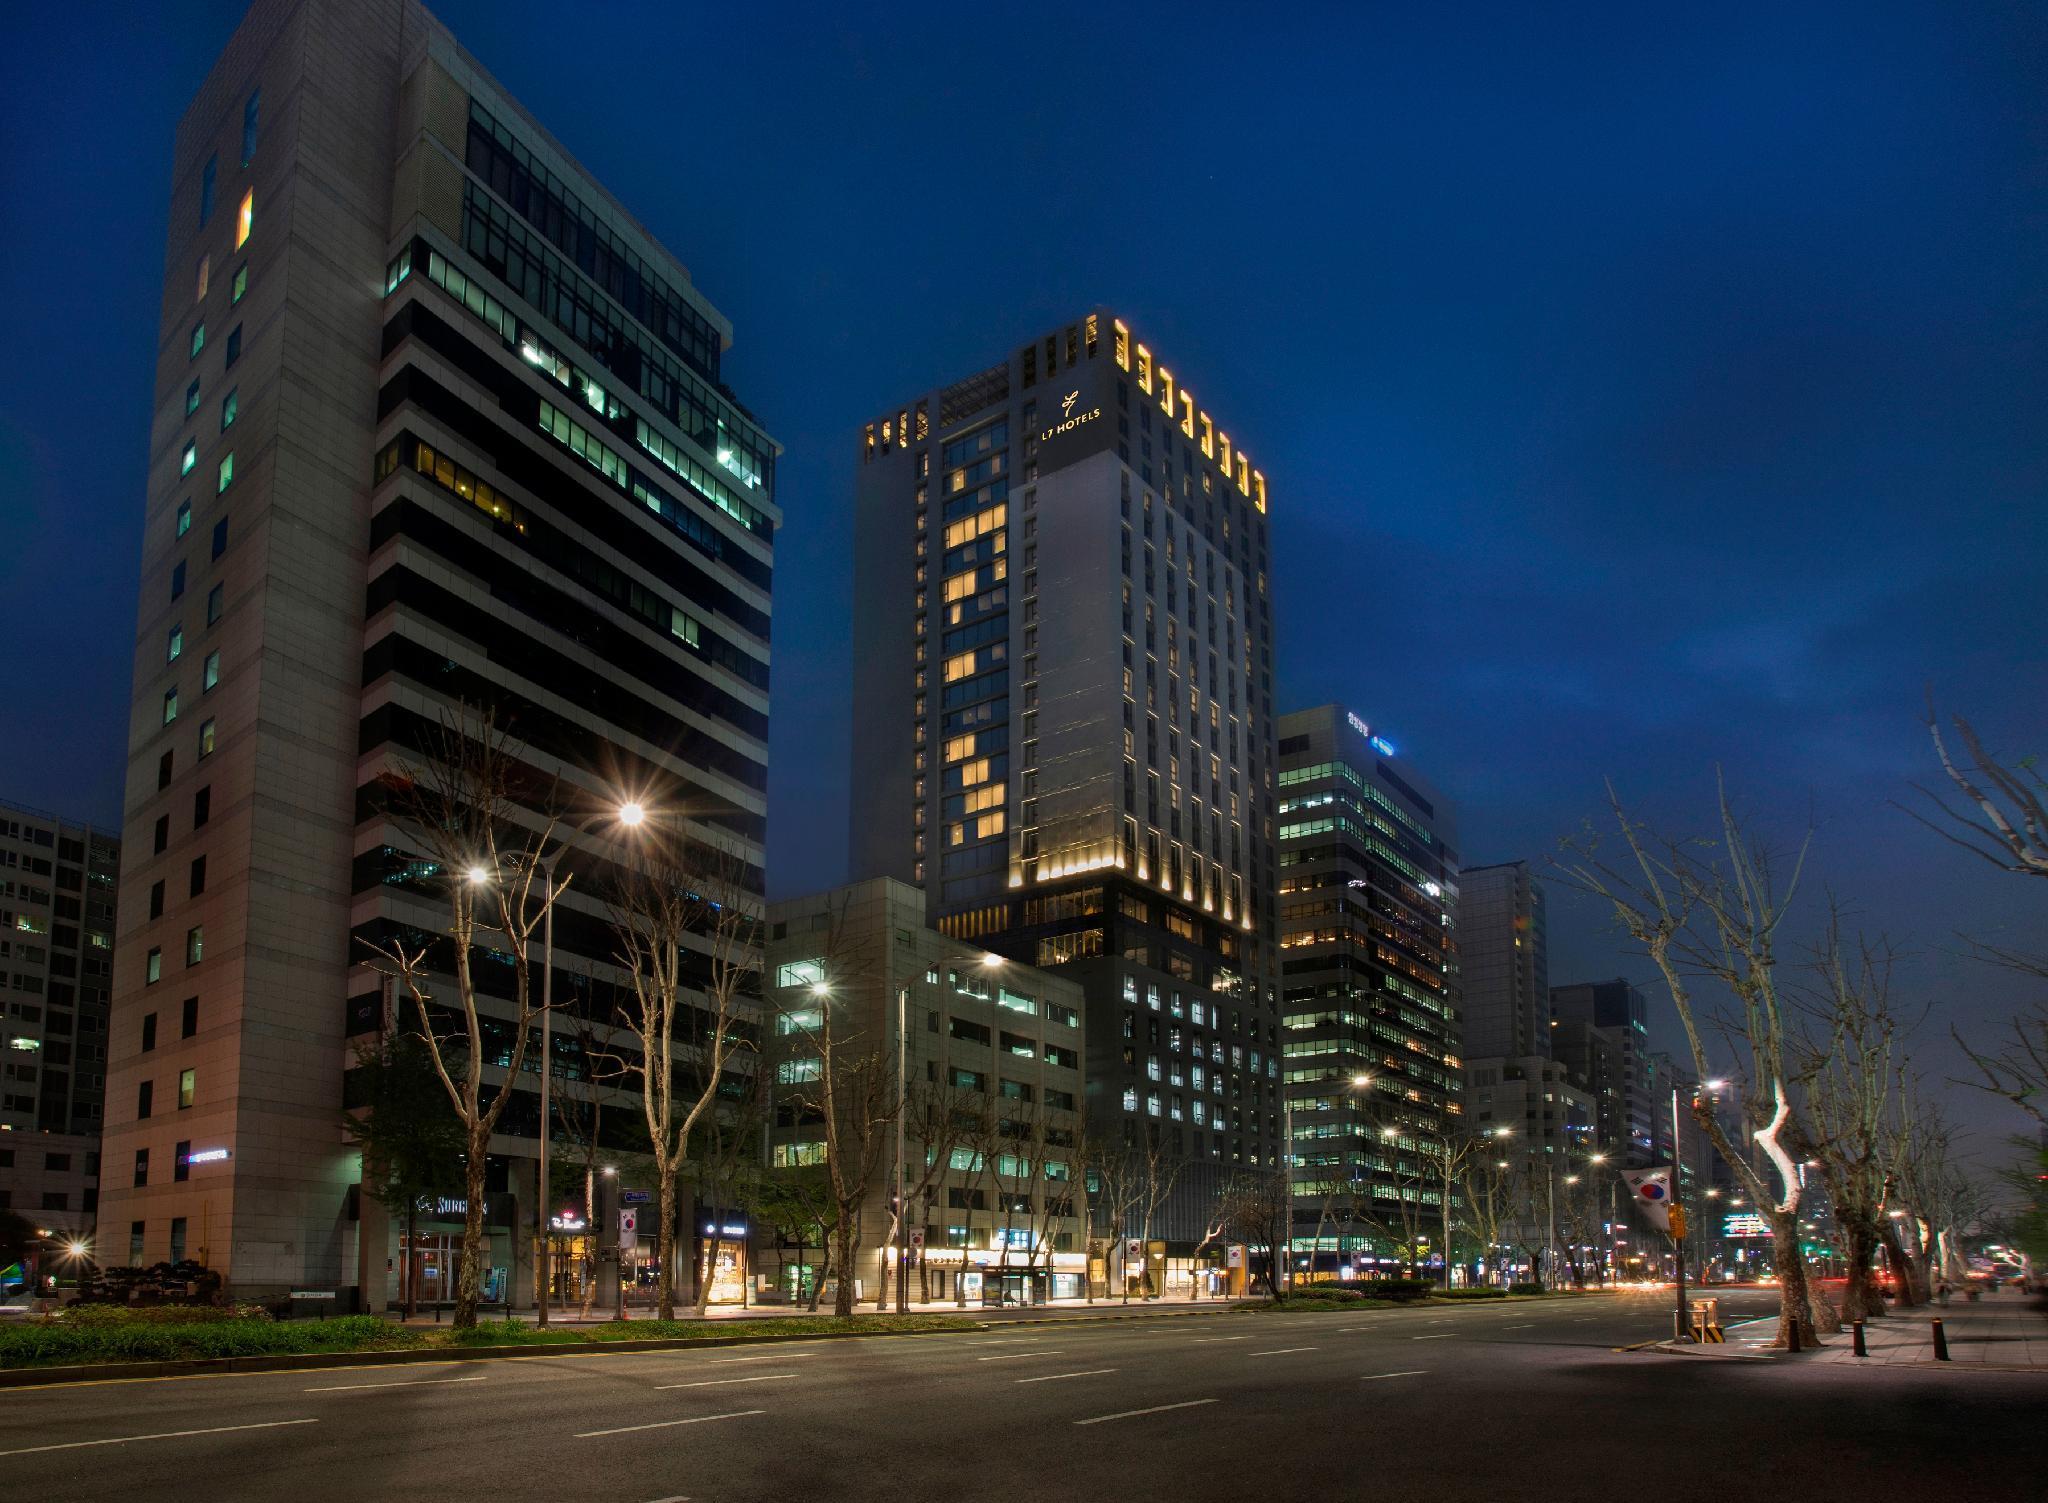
(1063,663)
(439,427)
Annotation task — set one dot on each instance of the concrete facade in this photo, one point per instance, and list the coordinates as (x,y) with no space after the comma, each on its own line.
(994,1070)
(1503,923)
(365,511)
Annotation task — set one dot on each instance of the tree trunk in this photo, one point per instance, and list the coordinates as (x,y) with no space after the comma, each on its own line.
(1904,1274)
(708,1272)
(824,1272)
(845,1241)
(407,1282)
(1861,1298)
(665,1244)
(1794,1308)
(469,1276)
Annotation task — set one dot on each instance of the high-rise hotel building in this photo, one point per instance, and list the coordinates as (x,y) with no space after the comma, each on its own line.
(438,426)
(1369,916)
(1063,663)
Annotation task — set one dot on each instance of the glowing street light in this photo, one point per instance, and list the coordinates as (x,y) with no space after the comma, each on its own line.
(632,815)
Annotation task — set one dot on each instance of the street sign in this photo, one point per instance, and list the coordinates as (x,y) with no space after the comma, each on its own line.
(635,1197)
(1678,1223)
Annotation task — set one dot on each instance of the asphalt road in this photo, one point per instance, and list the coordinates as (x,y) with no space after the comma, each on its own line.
(1501,1402)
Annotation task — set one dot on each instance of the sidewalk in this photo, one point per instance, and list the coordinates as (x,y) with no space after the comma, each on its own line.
(2006,1332)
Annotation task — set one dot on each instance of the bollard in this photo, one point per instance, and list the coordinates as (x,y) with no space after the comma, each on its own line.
(1857,1331)
(1940,1343)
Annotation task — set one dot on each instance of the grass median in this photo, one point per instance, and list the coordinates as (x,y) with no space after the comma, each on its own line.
(192,1334)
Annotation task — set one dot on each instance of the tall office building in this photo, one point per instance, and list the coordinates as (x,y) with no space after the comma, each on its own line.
(57,886)
(1503,928)
(438,424)
(1369,969)
(1063,665)
(1616,1009)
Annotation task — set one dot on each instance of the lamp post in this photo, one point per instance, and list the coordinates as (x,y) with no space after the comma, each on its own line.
(1608,1271)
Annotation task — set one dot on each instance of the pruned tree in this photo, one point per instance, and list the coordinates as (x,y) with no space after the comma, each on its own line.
(1711,910)
(1114,1175)
(684,920)
(1486,1204)
(1995,811)
(1258,1208)
(470,811)
(1848,1067)
(796,1203)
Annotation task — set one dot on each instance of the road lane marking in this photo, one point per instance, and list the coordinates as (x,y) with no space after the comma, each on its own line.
(1204,1340)
(1281,1351)
(1013,1356)
(697,1419)
(724,1382)
(1103,1419)
(402,1383)
(1438,1336)
(1093,1372)
(122,1440)
(1525,1325)
(1412,1372)
(771,1357)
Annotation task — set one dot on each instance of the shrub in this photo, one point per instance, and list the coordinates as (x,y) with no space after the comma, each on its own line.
(47,1342)
(1389,1288)
(158,1315)
(1472,1294)
(1526,1287)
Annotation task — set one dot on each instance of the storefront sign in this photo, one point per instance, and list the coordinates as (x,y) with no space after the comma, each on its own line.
(635,1197)
(1069,419)
(208,1156)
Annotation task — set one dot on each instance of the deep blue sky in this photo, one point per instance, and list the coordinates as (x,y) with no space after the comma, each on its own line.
(1639,388)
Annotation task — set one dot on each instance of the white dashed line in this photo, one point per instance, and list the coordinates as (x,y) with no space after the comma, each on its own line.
(1103,1419)
(1413,1372)
(1281,1351)
(723,1382)
(123,1440)
(1013,1356)
(404,1383)
(700,1419)
(1093,1372)
(1439,1336)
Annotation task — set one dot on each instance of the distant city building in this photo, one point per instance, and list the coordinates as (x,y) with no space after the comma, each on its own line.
(1537,1104)
(1369,944)
(1503,935)
(58,881)
(438,428)
(1063,678)
(1594,1061)
(994,1077)
(1617,1010)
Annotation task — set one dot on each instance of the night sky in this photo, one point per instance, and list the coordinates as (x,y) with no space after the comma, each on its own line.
(1638,391)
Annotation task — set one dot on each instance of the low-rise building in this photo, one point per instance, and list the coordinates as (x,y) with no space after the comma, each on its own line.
(987,1056)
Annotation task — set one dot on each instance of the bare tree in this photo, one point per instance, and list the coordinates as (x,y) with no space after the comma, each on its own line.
(1996,812)
(1848,1070)
(470,810)
(1712,909)
(685,924)
(1257,1205)
(1486,1203)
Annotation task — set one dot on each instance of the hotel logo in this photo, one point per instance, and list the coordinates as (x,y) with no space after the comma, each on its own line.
(1069,419)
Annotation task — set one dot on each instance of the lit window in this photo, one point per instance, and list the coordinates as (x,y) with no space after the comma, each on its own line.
(187,1082)
(170,705)
(188,459)
(212,673)
(205,738)
(176,644)
(153,971)
(240,284)
(215,599)
(245,218)
(205,271)
(195,945)
(797,1071)
(800,973)
(198,339)
(184,517)
(228,408)
(227,474)
(192,397)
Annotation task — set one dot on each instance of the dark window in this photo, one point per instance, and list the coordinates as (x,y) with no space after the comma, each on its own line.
(189,1024)
(220,537)
(177,579)
(234,351)
(141,1167)
(206,177)
(181,1162)
(148,1032)
(198,875)
(202,806)
(163,771)
(250,114)
(215,598)
(156,899)
(145,1097)
(163,832)
(56,1200)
